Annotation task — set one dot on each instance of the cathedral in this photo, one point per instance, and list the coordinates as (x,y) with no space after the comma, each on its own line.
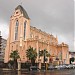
(22,35)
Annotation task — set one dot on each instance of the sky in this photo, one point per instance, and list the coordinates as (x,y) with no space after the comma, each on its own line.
(52,16)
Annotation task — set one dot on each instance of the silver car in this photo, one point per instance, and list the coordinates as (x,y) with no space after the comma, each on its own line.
(60,67)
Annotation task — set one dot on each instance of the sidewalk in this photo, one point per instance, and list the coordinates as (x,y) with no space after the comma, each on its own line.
(7,69)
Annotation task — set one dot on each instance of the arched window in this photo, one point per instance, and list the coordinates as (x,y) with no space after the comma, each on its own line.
(24,29)
(16,30)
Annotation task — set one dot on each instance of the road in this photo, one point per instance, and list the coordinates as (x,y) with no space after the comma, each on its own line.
(53,72)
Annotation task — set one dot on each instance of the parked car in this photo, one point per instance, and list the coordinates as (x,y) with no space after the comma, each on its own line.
(60,67)
(73,65)
(42,67)
(51,67)
(34,68)
(69,66)
(1,64)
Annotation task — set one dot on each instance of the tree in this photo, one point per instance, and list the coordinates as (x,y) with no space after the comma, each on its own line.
(71,60)
(31,54)
(14,55)
(45,54)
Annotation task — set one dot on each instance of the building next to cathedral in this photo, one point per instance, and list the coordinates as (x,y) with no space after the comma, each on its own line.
(22,35)
(2,47)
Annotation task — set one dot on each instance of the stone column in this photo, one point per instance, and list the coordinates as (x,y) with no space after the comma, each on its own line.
(19,72)
(39,63)
(19,65)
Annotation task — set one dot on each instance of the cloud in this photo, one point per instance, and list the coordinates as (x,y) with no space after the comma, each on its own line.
(51,16)
(4,30)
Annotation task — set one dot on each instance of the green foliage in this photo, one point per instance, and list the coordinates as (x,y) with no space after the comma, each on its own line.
(44,53)
(11,62)
(31,53)
(71,60)
(40,53)
(14,55)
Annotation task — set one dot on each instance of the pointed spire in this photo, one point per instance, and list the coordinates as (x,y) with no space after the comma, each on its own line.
(22,10)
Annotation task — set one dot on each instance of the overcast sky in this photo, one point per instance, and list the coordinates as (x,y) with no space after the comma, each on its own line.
(51,16)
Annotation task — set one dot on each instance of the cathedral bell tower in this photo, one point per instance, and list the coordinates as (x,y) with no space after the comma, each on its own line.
(19,31)
(20,24)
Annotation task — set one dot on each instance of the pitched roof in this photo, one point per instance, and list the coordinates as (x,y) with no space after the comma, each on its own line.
(22,11)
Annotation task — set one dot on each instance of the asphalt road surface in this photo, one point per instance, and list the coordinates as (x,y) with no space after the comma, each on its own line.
(50,72)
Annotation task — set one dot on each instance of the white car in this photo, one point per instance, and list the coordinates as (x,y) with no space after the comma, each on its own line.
(69,66)
(60,67)
(51,67)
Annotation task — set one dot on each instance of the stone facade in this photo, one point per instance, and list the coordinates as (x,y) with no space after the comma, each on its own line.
(22,35)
